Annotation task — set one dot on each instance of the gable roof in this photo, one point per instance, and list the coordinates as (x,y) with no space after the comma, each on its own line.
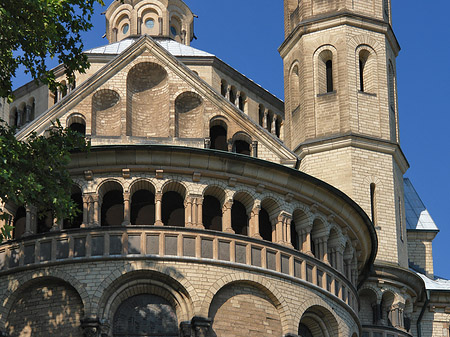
(146,43)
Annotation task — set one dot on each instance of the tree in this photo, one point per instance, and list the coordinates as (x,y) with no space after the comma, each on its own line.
(33,30)
(34,171)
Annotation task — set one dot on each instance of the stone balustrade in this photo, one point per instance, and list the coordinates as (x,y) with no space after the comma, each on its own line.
(151,242)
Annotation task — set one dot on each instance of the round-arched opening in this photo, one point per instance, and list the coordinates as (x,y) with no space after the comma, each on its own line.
(369,310)
(318,322)
(112,210)
(212,213)
(45,307)
(189,114)
(145,315)
(245,299)
(77,199)
(173,213)
(218,136)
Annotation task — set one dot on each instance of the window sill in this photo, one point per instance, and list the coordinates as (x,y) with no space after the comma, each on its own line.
(367,93)
(327,93)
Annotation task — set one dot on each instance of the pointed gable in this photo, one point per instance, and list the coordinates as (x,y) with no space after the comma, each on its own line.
(146,96)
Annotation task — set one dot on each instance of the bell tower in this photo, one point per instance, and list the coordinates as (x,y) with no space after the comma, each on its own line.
(341,107)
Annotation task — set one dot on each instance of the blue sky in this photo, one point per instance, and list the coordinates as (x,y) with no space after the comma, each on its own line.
(246,35)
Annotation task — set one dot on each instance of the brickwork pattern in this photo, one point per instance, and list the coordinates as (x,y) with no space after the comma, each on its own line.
(49,307)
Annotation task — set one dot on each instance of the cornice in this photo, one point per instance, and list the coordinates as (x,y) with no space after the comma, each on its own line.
(336,19)
(356,141)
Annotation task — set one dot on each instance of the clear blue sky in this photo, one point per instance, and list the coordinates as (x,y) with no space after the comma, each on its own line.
(246,35)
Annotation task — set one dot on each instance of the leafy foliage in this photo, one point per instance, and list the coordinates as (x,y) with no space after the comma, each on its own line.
(32,30)
(34,172)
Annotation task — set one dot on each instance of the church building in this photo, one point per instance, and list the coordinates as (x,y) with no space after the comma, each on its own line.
(210,207)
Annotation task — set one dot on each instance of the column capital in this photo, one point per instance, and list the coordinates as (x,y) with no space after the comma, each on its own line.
(201,326)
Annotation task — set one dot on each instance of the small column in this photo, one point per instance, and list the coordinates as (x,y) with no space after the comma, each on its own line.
(340,258)
(306,240)
(188,211)
(160,22)
(28,113)
(158,209)
(227,95)
(283,229)
(226,217)
(254,222)
(139,25)
(96,204)
(266,114)
(199,221)
(126,209)
(207,143)
(85,211)
(57,225)
(236,102)
(30,220)
(255,148)
(325,249)
(273,128)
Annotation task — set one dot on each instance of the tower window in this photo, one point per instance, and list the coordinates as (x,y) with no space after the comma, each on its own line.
(125,28)
(373,202)
(361,75)
(329,67)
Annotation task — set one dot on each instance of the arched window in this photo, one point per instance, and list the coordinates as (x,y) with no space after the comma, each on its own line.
(45,222)
(367,70)
(265,226)
(295,88)
(218,135)
(326,73)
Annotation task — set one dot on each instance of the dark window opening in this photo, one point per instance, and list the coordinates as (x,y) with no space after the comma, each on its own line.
(77,220)
(218,136)
(361,75)
(294,236)
(373,202)
(142,208)
(44,222)
(223,88)
(232,96)
(261,115)
(265,227)
(242,147)
(241,103)
(173,209)
(112,209)
(78,127)
(212,213)
(239,218)
(329,66)
(19,222)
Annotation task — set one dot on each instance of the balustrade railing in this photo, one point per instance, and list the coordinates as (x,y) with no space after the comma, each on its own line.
(174,242)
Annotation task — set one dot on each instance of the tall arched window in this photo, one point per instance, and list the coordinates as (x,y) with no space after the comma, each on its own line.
(367,70)
(325,72)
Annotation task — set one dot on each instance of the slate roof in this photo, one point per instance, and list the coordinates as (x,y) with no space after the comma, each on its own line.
(417,216)
(173,47)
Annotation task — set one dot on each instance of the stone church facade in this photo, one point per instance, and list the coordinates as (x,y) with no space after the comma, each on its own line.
(212,208)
